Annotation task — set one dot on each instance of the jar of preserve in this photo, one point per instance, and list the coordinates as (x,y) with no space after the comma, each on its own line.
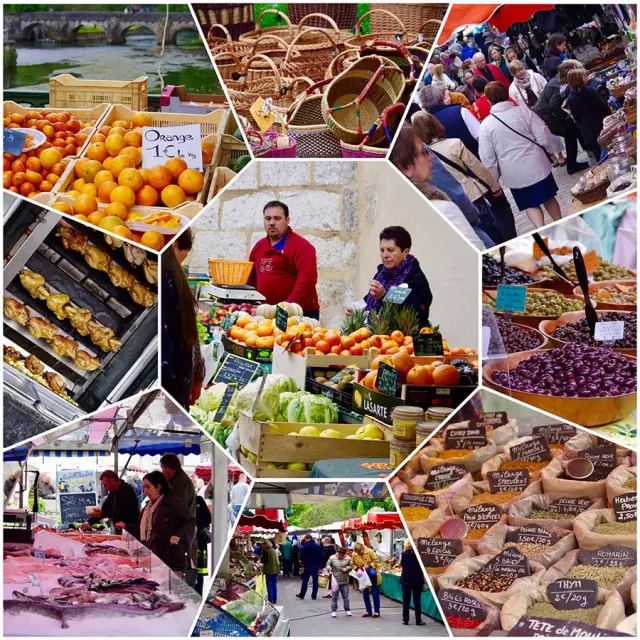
(434,417)
(400,450)
(405,421)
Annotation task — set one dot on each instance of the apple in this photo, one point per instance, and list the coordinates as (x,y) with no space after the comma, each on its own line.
(331,433)
(297,466)
(244,451)
(271,465)
(309,431)
(252,457)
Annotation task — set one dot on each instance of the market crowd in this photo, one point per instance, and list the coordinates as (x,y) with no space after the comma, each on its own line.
(494,114)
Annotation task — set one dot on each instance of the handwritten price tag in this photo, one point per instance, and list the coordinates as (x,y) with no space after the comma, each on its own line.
(511,298)
(13,141)
(609,331)
(160,144)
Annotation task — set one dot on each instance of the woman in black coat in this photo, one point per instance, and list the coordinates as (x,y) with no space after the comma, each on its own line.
(412,582)
(554,54)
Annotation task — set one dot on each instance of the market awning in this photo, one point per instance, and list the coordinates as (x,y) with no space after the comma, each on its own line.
(499,16)
(373,521)
(249,523)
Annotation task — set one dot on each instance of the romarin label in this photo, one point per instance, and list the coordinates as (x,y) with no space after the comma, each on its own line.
(625,507)
(570,506)
(509,562)
(530,626)
(508,480)
(160,144)
(611,555)
(572,593)
(490,419)
(439,552)
(534,450)
(533,534)
(427,500)
(555,433)
(455,602)
(444,475)
(471,437)
(482,516)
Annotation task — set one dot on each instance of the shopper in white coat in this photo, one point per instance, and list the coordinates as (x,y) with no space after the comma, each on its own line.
(512,146)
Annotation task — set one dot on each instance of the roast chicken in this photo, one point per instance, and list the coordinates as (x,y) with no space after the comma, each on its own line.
(100,335)
(79,318)
(134,255)
(85,361)
(56,382)
(96,258)
(42,329)
(15,310)
(142,296)
(150,268)
(57,303)
(64,346)
(10,354)
(34,364)
(72,239)
(34,284)
(120,277)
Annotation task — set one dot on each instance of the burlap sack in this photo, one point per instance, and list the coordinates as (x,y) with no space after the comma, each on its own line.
(628,625)
(464,501)
(410,478)
(462,567)
(610,615)
(616,479)
(634,596)
(496,462)
(556,487)
(435,519)
(582,440)
(520,511)
(494,540)
(489,624)
(583,528)
(561,568)
(435,572)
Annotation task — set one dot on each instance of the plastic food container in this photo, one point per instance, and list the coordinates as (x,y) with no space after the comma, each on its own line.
(405,421)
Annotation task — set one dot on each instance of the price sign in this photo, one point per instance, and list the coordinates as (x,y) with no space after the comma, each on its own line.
(511,298)
(428,344)
(160,144)
(418,500)
(397,295)
(534,450)
(609,331)
(555,433)
(281,318)
(490,419)
(444,475)
(591,261)
(603,460)
(625,507)
(455,602)
(388,380)
(530,626)
(236,370)
(509,562)
(472,437)
(439,552)
(570,506)
(611,555)
(13,141)
(262,114)
(508,480)
(482,516)
(229,321)
(570,593)
(533,534)
(225,402)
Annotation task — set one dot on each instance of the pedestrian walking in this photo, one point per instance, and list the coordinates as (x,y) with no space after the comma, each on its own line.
(312,560)
(295,556)
(339,566)
(328,549)
(367,560)
(412,582)
(271,569)
(286,551)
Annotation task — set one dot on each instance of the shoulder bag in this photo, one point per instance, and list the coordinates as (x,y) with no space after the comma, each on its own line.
(546,153)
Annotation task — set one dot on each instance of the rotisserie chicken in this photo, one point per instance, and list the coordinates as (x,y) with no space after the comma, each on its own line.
(72,239)
(142,296)
(34,364)
(56,382)
(34,283)
(96,258)
(120,277)
(79,319)
(86,362)
(15,310)
(41,329)
(150,268)
(56,302)
(134,255)
(10,354)
(64,346)
(100,335)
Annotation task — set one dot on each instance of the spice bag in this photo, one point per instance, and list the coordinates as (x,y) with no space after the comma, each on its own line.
(534,488)
(561,568)
(516,607)
(616,480)
(520,511)
(556,487)
(410,477)
(579,442)
(489,624)
(433,520)
(499,436)
(462,567)
(472,461)
(494,541)
(628,625)
(634,596)
(434,572)
(475,544)
(583,528)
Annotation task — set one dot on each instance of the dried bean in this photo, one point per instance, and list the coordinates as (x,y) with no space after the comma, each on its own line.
(631,483)
(528,548)
(539,514)
(616,528)
(489,582)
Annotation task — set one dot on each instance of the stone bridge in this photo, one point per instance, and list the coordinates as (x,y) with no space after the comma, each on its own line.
(64,25)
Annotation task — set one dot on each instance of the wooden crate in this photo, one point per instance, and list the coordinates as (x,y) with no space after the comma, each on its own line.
(258,438)
(220,179)
(68,91)
(231,149)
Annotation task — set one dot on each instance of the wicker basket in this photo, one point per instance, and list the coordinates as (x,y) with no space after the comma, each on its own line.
(358,40)
(409,62)
(341,63)
(71,93)
(287,33)
(230,272)
(260,145)
(220,45)
(344,15)
(413,16)
(389,121)
(310,63)
(356,98)
(595,194)
(362,151)
(429,32)
(278,51)
(319,21)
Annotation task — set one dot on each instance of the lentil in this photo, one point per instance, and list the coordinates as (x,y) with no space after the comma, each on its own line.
(488,582)
(631,483)
(455,453)
(497,498)
(456,622)
(547,610)
(616,528)
(604,576)
(539,514)
(411,514)
(532,467)
(528,548)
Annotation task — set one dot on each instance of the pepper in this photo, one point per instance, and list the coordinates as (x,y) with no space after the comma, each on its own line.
(540,514)
(532,467)
(456,622)
(455,453)
(528,548)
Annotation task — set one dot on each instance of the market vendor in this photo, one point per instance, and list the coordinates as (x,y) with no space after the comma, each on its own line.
(120,506)
(284,263)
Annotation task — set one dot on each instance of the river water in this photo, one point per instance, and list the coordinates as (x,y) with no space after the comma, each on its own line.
(188,64)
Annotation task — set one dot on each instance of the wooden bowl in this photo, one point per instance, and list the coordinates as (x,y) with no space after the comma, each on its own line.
(548,327)
(609,306)
(538,282)
(545,340)
(563,287)
(587,412)
(527,321)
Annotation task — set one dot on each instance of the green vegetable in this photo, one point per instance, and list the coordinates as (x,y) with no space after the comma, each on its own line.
(312,409)
(241,163)
(203,332)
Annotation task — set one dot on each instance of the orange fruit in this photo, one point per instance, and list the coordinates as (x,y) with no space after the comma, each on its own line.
(95,217)
(104,131)
(376,362)
(63,207)
(81,217)
(142,119)
(101,177)
(107,163)
(251,339)
(403,362)
(98,137)
(160,177)
(110,222)
(133,138)
(33,164)
(114,144)
(265,330)
(121,163)
(133,153)
(370,379)
(147,197)
(90,170)
(191,181)
(126,195)
(78,167)
(397,336)
(153,240)
(118,130)
(419,375)
(97,151)
(176,166)
(131,178)
(85,204)
(347,342)
(172,196)
(123,231)
(26,189)
(117,209)
(105,189)
(90,190)
(207,152)
(77,185)
(145,174)
(33,177)
(446,375)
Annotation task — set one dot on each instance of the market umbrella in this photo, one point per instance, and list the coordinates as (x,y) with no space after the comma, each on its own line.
(499,16)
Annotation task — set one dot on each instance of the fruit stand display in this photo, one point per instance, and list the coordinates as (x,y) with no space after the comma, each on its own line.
(509,513)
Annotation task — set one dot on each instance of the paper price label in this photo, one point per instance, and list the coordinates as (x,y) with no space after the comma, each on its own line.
(160,144)
(13,141)
(486,339)
(511,298)
(591,261)
(609,331)
(261,112)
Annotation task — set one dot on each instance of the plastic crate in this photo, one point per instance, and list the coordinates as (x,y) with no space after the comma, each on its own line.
(344,399)
(70,92)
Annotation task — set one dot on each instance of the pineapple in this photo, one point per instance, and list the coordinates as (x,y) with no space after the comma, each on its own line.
(406,320)
(380,322)
(353,322)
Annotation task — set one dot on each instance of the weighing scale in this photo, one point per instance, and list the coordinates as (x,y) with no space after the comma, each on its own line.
(222,293)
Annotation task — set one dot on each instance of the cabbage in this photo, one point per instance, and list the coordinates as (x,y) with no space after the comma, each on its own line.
(269,402)
(312,409)
(210,399)
(285,383)
(206,406)
(286,398)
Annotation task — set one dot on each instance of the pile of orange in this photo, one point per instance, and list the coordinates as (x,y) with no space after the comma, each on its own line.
(437,373)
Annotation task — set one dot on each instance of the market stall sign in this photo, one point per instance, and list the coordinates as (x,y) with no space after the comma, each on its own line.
(530,626)
(13,141)
(471,437)
(482,516)
(236,370)
(490,419)
(418,500)
(591,261)
(570,506)
(262,113)
(439,552)
(511,298)
(73,506)
(555,433)
(455,602)
(533,534)
(508,480)
(611,555)
(281,319)
(371,403)
(509,562)
(229,321)
(534,450)
(160,144)
(397,295)
(602,458)
(609,331)
(625,507)
(428,344)
(571,593)
(443,475)
(225,402)
(388,379)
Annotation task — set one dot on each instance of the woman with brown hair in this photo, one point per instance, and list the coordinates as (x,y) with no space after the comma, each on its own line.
(182,364)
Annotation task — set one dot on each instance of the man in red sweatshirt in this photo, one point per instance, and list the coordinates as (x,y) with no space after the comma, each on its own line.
(490,72)
(284,263)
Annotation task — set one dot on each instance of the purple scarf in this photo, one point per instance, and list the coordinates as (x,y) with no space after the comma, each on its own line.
(390,278)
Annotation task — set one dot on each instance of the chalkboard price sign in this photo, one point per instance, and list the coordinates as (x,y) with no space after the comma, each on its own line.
(531,534)
(555,433)
(508,480)
(73,506)
(281,318)
(443,475)
(531,626)
(428,344)
(439,552)
(455,602)
(418,500)
(611,555)
(603,460)
(388,379)
(482,516)
(490,419)
(13,141)
(397,295)
(534,450)
(471,437)
(509,562)
(571,593)
(625,507)
(239,371)
(570,506)
(225,402)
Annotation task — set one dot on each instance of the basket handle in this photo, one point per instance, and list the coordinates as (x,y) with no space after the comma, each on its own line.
(269,61)
(323,16)
(291,47)
(399,47)
(257,134)
(223,29)
(279,13)
(292,84)
(388,111)
(266,36)
(331,71)
(301,97)
(386,13)
(229,54)
(427,40)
